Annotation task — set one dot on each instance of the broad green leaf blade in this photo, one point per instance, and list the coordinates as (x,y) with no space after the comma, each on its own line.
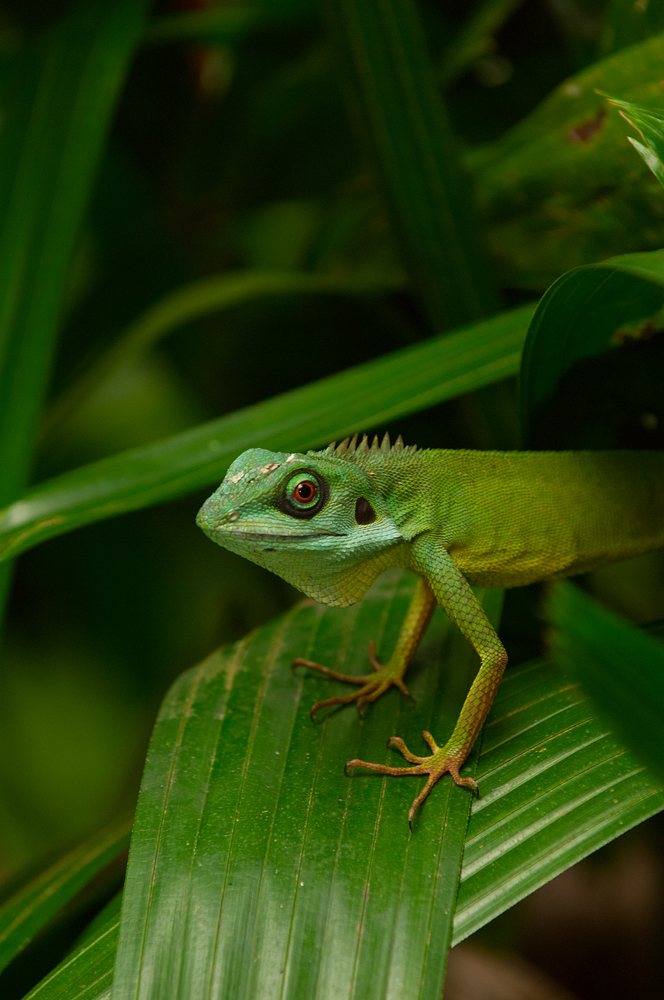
(360,398)
(562,187)
(588,310)
(555,785)
(620,666)
(87,973)
(385,66)
(257,868)
(25,913)
(200,298)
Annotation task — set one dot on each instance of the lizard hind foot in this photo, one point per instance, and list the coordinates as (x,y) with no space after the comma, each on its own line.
(371,686)
(442,761)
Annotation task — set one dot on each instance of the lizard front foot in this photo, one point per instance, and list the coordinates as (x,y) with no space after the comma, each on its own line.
(443,760)
(372,686)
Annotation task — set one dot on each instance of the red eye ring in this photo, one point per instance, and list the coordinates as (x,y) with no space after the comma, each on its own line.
(305,491)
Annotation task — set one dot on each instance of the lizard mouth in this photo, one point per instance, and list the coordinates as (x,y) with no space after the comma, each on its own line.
(265,537)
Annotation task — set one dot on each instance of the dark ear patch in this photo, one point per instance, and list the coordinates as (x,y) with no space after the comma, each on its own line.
(364,512)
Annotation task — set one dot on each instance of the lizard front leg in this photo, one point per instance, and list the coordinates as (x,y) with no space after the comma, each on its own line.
(431,559)
(372,686)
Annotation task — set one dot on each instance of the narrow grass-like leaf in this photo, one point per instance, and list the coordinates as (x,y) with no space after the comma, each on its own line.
(86,973)
(555,784)
(385,65)
(226,23)
(257,868)
(60,96)
(25,913)
(199,299)
(360,398)
(650,125)
(620,666)
(60,102)
(476,38)
(216,25)
(588,310)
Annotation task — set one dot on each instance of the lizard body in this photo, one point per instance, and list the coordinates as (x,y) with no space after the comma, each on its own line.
(331,521)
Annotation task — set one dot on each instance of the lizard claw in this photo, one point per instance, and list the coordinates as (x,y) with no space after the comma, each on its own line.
(442,761)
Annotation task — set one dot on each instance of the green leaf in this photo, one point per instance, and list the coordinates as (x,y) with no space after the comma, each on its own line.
(385,66)
(257,868)
(61,94)
(555,784)
(619,665)
(585,312)
(562,187)
(650,126)
(64,92)
(363,397)
(86,973)
(25,913)
(630,21)
(216,25)
(476,38)
(226,24)
(201,298)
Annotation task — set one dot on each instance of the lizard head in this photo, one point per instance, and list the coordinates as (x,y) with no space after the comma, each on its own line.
(316,520)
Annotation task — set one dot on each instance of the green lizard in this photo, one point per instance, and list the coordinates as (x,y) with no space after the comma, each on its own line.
(331,521)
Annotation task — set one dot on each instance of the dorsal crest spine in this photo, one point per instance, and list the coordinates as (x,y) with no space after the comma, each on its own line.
(350,447)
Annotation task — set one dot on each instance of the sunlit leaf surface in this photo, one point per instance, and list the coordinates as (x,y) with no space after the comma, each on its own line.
(555,785)
(619,665)
(257,868)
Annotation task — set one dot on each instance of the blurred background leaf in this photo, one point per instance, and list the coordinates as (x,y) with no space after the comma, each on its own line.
(28,911)
(590,311)
(60,91)
(563,187)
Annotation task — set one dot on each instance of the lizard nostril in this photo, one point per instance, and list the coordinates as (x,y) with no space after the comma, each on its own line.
(233,516)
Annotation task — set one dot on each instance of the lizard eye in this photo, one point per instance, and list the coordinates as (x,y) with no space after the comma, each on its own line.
(305,493)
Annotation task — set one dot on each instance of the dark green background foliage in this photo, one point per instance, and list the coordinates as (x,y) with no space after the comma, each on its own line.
(230,224)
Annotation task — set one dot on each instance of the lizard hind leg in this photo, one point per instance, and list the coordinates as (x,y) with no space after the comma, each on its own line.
(372,686)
